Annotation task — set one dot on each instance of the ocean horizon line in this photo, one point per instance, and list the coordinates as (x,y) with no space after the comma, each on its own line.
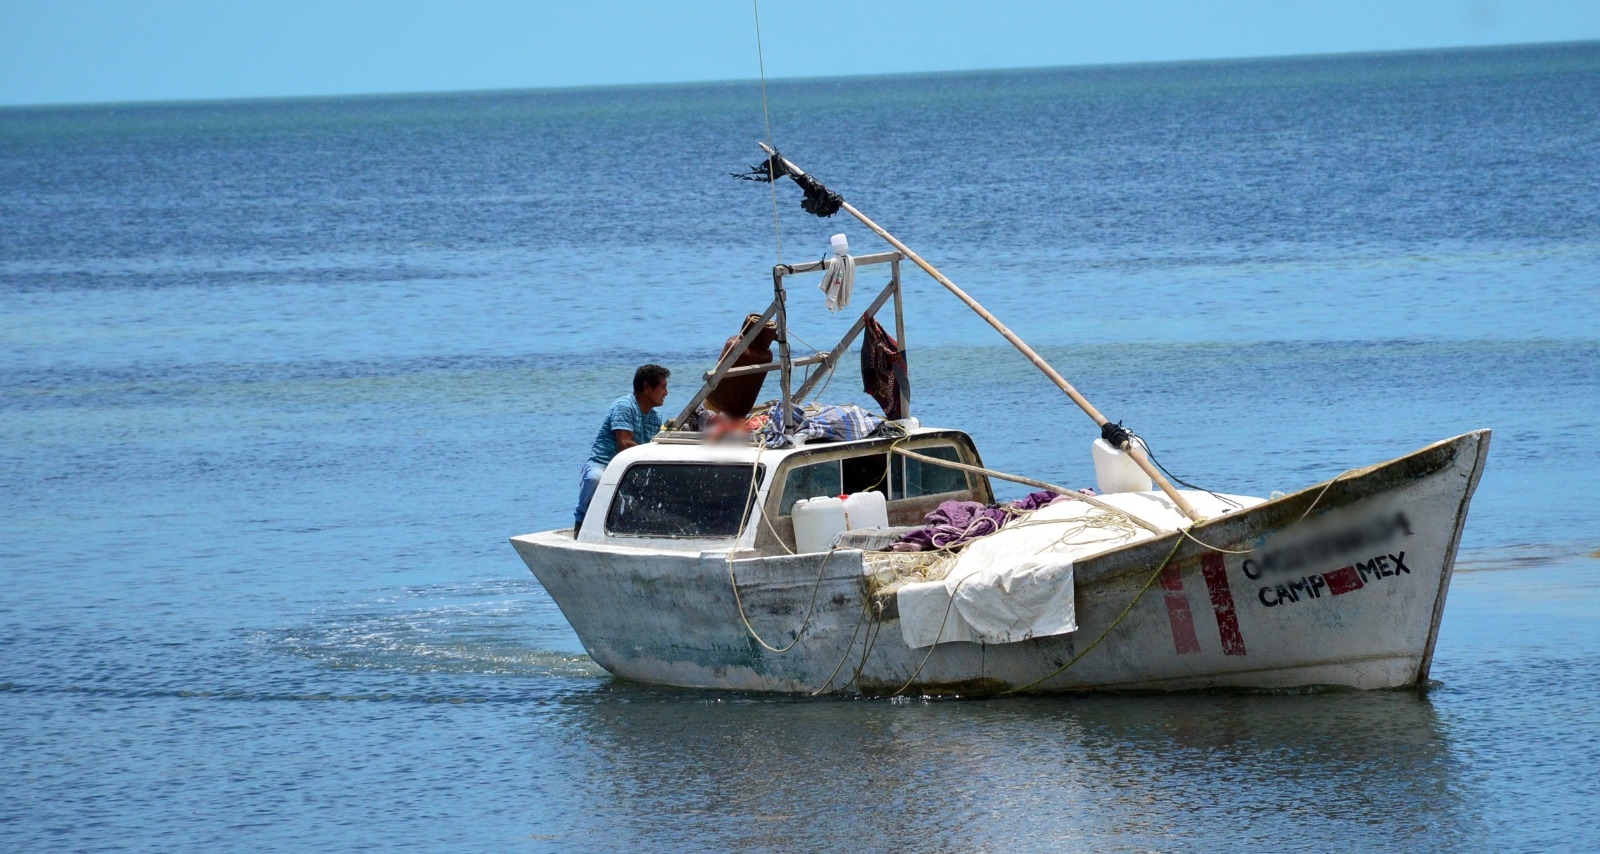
(423,94)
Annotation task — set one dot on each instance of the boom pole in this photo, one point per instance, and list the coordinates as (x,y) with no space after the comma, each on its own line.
(1128,446)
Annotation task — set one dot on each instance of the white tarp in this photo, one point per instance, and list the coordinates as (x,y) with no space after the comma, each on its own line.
(1030,599)
(1017,584)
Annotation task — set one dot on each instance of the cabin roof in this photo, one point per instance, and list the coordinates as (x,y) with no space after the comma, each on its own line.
(691,451)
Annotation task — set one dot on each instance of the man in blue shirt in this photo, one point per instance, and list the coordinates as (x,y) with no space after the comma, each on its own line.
(632,420)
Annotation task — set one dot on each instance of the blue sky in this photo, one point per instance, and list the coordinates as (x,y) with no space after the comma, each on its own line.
(74,51)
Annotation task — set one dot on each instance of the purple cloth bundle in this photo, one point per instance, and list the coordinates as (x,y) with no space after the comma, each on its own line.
(1035,500)
(956,523)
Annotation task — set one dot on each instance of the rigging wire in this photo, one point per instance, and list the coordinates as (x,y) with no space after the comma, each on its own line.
(1116,435)
(1223,498)
(761,63)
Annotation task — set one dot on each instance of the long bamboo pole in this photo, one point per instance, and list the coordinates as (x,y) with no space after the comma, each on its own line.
(1129,447)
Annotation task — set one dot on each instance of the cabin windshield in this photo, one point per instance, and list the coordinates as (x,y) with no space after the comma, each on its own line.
(896,477)
(689,500)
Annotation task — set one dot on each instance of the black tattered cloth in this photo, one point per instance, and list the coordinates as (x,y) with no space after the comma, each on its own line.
(818,201)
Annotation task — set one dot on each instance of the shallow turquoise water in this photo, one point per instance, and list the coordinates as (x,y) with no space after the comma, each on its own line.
(278,378)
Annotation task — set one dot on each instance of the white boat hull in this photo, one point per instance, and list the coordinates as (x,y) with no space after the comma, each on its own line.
(1342,584)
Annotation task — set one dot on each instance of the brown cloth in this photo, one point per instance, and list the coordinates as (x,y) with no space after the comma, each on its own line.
(734,396)
(883,369)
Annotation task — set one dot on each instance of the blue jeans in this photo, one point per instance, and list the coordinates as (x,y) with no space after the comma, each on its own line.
(588,482)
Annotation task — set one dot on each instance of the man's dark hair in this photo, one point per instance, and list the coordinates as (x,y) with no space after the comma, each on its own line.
(649,375)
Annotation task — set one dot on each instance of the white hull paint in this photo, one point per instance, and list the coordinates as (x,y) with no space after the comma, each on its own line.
(1344,585)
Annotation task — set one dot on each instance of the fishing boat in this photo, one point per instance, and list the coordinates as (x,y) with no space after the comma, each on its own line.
(806,552)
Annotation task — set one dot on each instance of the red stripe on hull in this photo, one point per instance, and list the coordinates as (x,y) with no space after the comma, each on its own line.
(1184,639)
(1216,575)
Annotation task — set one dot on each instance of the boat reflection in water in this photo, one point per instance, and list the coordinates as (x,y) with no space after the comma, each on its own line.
(1374,770)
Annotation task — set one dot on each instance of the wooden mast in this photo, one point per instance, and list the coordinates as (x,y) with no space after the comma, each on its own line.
(1129,447)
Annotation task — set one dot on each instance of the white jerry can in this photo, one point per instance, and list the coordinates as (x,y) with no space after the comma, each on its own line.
(816,522)
(866,510)
(1116,472)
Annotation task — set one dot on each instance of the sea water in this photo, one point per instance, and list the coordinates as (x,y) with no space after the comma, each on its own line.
(278,378)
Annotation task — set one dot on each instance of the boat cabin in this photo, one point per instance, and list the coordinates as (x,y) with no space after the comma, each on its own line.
(679,494)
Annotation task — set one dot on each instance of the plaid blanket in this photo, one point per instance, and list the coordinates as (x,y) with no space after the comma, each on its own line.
(830,422)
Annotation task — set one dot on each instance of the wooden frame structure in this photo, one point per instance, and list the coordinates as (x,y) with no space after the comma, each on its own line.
(785,363)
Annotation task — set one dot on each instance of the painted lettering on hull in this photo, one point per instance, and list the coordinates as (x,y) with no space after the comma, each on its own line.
(1345,579)
(1297,557)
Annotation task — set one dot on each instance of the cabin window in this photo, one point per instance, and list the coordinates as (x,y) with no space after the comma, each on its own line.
(835,477)
(920,478)
(866,474)
(683,500)
(812,481)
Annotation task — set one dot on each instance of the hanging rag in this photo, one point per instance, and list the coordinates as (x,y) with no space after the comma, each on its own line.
(838,279)
(883,370)
(819,200)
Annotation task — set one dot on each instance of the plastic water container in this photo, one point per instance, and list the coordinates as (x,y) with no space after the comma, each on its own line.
(816,522)
(1115,471)
(866,510)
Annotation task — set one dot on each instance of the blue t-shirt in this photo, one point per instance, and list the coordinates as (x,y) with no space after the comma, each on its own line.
(624,415)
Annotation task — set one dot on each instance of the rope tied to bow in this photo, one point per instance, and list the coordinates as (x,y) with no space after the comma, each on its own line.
(1116,434)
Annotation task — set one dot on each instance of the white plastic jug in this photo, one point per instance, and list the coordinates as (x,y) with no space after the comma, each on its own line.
(816,522)
(866,510)
(1115,471)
